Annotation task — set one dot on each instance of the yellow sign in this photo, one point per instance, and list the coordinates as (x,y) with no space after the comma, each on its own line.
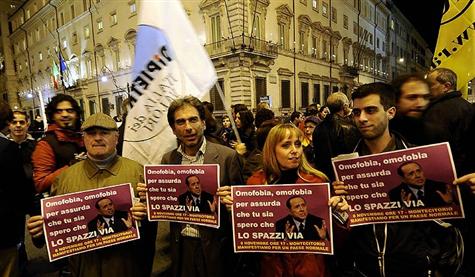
(456,42)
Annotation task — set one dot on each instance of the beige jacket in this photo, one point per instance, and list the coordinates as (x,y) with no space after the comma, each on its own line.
(127,259)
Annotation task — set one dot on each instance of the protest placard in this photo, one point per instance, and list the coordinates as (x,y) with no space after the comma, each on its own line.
(282,219)
(183,193)
(84,221)
(413,184)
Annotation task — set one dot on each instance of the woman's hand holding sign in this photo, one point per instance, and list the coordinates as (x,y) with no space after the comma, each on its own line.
(340,188)
(338,203)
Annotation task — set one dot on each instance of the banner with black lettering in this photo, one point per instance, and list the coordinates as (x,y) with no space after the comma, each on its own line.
(413,184)
(183,193)
(83,221)
(456,42)
(282,219)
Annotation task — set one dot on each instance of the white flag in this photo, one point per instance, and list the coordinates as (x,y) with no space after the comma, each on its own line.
(170,63)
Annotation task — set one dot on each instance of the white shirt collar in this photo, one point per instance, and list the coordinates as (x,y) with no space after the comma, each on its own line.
(199,154)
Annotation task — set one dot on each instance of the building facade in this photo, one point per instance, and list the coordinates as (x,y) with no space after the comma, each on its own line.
(292,53)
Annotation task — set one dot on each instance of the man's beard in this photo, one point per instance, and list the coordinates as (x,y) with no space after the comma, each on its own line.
(69,126)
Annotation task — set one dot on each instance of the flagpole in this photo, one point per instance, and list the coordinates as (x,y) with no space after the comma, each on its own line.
(59,43)
(42,110)
(61,63)
(331,44)
(228,112)
(294,58)
(98,91)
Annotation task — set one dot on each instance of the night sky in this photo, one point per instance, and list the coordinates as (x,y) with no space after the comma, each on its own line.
(425,16)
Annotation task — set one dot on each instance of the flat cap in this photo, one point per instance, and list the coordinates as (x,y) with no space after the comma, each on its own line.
(312,119)
(99,120)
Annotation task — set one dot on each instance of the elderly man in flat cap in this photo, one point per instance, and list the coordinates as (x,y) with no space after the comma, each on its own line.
(102,168)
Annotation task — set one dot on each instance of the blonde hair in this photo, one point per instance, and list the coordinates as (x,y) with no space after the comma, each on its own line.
(271,165)
(262,105)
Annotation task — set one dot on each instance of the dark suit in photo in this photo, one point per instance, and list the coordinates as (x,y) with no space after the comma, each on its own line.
(309,232)
(118,224)
(203,204)
(430,197)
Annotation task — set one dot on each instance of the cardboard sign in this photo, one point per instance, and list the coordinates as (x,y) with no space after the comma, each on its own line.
(183,193)
(282,219)
(413,184)
(84,221)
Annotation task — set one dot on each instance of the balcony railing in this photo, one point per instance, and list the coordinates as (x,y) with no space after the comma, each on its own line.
(242,43)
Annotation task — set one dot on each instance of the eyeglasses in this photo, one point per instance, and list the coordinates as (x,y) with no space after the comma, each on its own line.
(59,111)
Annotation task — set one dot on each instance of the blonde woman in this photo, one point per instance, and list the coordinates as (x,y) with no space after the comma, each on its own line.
(285,163)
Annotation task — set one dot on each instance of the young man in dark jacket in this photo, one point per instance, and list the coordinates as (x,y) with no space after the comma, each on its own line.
(13,198)
(389,249)
(412,99)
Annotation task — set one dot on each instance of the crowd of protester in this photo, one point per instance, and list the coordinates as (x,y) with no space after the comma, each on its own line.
(262,149)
